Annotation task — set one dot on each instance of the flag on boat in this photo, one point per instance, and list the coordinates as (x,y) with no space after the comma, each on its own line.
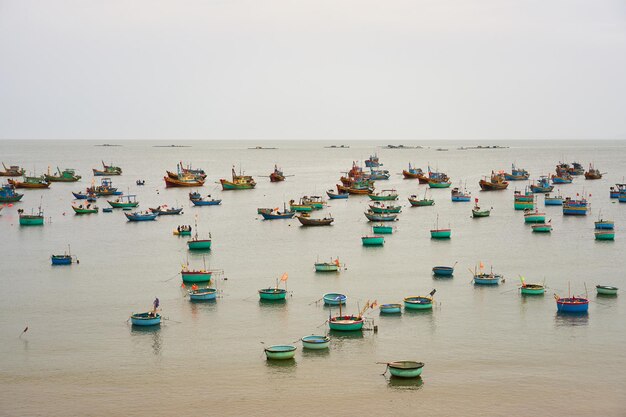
(285,277)
(482,266)
(337,262)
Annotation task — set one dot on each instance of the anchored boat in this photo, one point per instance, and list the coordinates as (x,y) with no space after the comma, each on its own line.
(531,289)
(374,240)
(496,182)
(419,302)
(334,299)
(517,174)
(140,216)
(593,174)
(85,209)
(412,172)
(416,202)
(556,200)
(336,196)
(315,342)
(202,294)
(458,195)
(542,185)
(307,221)
(575,207)
(67,175)
(238,182)
(535,216)
(393,308)
(275,293)
(478,212)
(124,201)
(12,171)
(542,227)
(381,229)
(606,290)
(444,271)
(405,369)
(438,233)
(332,266)
(604,234)
(483,278)
(33,219)
(8,194)
(108,170)
(571,304)
(198,200)
(30,182)
(384,195)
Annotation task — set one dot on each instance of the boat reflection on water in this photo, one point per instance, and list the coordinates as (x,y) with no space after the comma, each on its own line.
(152,333)
(273,304)
(338,336)
(405,384)
(571,319)
(315,353)
(285,366)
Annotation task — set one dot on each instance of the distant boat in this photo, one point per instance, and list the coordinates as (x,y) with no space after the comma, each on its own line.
(334,299)
(30,182)
(203,294)
(564,179)
(384,195)
(9,195)
(604,234)
(606,290)
(483,278)
(556,200)
(615,191)
(140,216)
(523,201)
(86,209)
(335,196)
(275,293)
(517,174)
(380,217)
(67,175)
(238,182)
(275,214)
(198,200)
(417,202)
(438,233)
(124,201)
(393,308)
(104,189)
(576,169)
(405,369)
(419,302)
(373,161)
(164,210)
(412,172)
(65,259)
(12,171)
(373,240)
(381,229)
(602,224)
(307,221)
(459,195)
(535,216)
(146,319)
(478,212)
(108,170)
(277,175)
(332,266)
(496,182)
(381,208)
(195,275)
(347,323)
(182,180)
(542,185)
(444,271)
(593,174)
(33,219)
(542,227)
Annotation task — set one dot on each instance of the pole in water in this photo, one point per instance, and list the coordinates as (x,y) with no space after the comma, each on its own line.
(24,331)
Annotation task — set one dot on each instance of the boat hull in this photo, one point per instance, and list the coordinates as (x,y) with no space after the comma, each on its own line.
(405,369)
(421,203)
(345,324)
(144,320)
(437,184)
(481,213)
(418,303)
(334,299)
(542,228)
(280,352)
(605,235)
(334,196)
(326,267)
(373,240)
(199,244)
(441,234)
(61,260)
(487,281)
(553,201)
(535,218)
(568,307)
(391,309)
(272,294)
(523,205)
(533,290)
(383,230)
(31,220)
(315,342)
(443,271)
(228,185)
(194,277)
(605,290)
(205,294)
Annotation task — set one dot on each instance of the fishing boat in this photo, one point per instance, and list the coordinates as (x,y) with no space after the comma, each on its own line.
(622,197)
(517,174)
(301,207)
(104,189)
(535,216)
(542,185)
(332,266)
(275,293)
(523,201)
(275,214)
(315,202)
(164,210)
(576,169)
(405,369)
(107,210)
(182,180)
(190,276)
(563,179)
(483,278)
(392,308)
(373,240)
(571,304)
(593,174)
(182,230)
(542,227)
(556,200)
(496,182)
(438,233)
(381,208)
(347,323)
(30,182)
(356,188)
(196,243)
(443,271)
(419,302)
(438,183)
(9,195)
(478,212)
(379,174)
(336,196)
(197,200)
(140,182)
(384,195)
(380,217)
(124,201)
(203,294)
(615,191)
(579,206)
(85,209)
(412,172)
(188,170)
(307,221)
(67,175)
(138,216)
(107,171)
(315,342)
(33,219)
(602,224)
(334,299)
(606,290)
(280,352)
(146,319)
(382,229)
(277,175)
(83,196)
(604,234)
(417,202)
(531,289)
(238,182)
(66,259)
(373,161)
(459,195)
(12,171)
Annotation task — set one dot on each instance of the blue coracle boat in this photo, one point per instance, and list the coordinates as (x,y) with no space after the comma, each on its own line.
(391,308)
(334,299)
(443,271)
(145,319)
(203,294)
(61,259)
(571,304)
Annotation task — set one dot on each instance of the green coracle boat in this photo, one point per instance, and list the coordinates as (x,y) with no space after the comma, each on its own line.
(604,234)
(439,183)
(405,369)
(275,293)
(382,230)
(531,289)
(419,302)
(384,195)
(542,227)
(373,240)
(332,266)
(606,290)
(31,219)
(280,352)
(199,244)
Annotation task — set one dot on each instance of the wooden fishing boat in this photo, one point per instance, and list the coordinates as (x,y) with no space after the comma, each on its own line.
(418,302)
(542,227)
(272,294)
(381,229)
(478,212)
(164,210)
(535,216)
(593,174)
(564,179)
(604,234)
(443,271)
(379,174)
(182,180)
(413,173)
(301,207)
(336,196)
(315,202)
(307,221)
(496,182)
(108,170)
(384,195)
(438,233)
(416,202)
(239,182)
(575,207)
(104,189)
(556,200)
(622,197)
(67,175)
(357,190)
(571,304)
(277,175)
(86,209)
(382,208)
(124,201)
(526,196)
(380,217)
(373,161)
(373,240)
(606,290)
(84,196)
(517,174)
(198,200)
(315,342)
(458,195)
(604,224)
(438,183)
(334,299)
(12,171)
(280,352)
(615,191)
(140,216)
(30,183)
(405,369)
(146,319)
(203,294)
(542,185)
(188,170)
(576,169)
(33,219)
(332,266)
(9,195)
(392,308)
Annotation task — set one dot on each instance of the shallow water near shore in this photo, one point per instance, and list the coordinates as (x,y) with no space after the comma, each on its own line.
(488,350)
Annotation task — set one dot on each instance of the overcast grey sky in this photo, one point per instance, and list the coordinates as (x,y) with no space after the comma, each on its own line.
(312,69)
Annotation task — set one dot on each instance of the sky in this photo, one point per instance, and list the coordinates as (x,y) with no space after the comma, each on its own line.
(313,69)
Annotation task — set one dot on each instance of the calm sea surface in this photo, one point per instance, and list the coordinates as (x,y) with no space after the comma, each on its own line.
(488,351)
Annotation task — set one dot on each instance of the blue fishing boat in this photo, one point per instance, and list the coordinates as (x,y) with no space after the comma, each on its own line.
(336,196)
(274,215)
(483,278)
(146,319)
(413,173)
(556,200)
(374,217)
(444,271)
(571,304)
(602,224)
(315,342)
(198,200)
(203,294)
(575,207)
(372,162)
(615,191)
(390,308)
(517,174)
(542,185)
(379,174)
(61,259)
(419,302)
(563,179)
(334,299)
(141,216)
(460,195)
(8,194)
(622,197)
